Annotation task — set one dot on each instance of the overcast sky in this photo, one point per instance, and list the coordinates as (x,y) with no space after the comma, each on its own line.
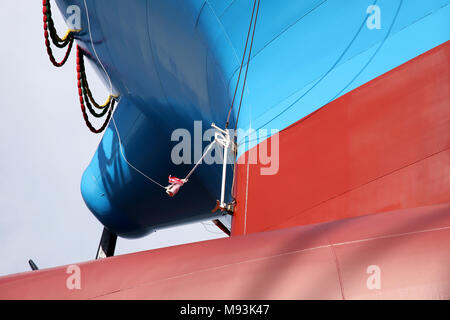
(45,147)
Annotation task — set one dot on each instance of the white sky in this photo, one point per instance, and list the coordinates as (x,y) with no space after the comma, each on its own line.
(44,149)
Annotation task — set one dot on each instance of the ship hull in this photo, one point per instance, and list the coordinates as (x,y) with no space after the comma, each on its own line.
(383,146)
(355,200)
(177,62)
(357,258)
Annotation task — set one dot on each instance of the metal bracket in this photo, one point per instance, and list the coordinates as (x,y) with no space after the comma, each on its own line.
(107,244)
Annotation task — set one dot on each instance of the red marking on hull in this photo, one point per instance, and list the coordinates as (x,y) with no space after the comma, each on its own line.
(322,261)
(382,146)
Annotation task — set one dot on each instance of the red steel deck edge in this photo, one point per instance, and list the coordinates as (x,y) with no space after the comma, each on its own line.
(410,249)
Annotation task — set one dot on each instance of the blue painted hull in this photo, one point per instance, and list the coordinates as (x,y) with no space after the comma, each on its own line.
(174,62)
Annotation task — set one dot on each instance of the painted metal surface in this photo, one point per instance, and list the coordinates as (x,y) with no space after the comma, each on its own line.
(383,146)
(379,144)
(395,255)
(176,61)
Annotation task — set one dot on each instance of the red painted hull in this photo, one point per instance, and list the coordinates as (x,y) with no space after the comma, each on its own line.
(323,261)
(343,170)
(382,146)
